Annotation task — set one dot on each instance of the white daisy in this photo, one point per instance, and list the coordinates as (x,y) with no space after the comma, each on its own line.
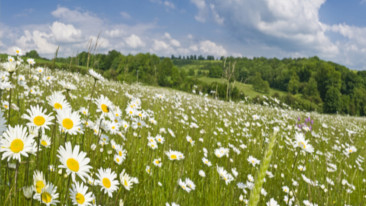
(107,180)
(127,181)
(69,121)
(74,161)
(38,118)
(79,195)
(48,196)
(16,142)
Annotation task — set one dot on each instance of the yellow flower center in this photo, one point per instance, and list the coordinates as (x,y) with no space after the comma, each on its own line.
(80,199)
(120,153)
(131,111)
(39,120)
(39,186)
(117,159)
(57,106)
(104,108)
(113,127)
(67,123)
(106,182)
(72,164)
(17,145)
(126,183)
(303,144)
(350,151)
(117,114)
(44,143)
(46,197)
(173,156)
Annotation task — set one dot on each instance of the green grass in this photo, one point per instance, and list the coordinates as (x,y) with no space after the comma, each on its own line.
(247,89)
(243,129)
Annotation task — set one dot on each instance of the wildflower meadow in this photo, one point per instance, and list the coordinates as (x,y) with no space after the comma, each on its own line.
(73,139)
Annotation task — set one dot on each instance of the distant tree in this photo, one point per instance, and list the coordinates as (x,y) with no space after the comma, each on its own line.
(165,71)
(332,100)
(215,71)
(191,72)
(294,84)
(32,54)
(311,88)
(210,57)
(259,84)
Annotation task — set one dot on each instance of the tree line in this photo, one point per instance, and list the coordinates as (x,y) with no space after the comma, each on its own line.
(310,83)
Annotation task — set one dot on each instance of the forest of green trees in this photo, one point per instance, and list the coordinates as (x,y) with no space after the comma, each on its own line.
(310,83)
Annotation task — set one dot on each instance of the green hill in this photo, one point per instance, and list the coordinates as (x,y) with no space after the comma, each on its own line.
(302,83)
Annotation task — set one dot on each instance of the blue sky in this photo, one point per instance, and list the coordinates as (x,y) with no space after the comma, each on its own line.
(334,30)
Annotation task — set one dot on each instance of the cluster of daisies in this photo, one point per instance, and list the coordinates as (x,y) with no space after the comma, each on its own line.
(207,139)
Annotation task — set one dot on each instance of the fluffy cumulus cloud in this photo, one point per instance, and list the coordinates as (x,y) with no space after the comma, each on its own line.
(134,41)
(76,16)
(288,27)
(74,30)
(65,32)
(37,40)
(294,22)
(209,47)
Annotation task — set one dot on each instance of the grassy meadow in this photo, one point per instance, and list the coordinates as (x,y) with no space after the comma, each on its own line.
(72,139)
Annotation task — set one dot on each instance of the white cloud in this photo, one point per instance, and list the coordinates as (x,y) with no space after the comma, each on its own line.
(356,34)
(43,45)
(172,42)
(125,15)
(160,46)
(211,48)
(290,25)
(169,4)
(114,33)
(75,16)
(202,10)
(65,33)
(37,40)
(218,19)
(100,41)
(134,41)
